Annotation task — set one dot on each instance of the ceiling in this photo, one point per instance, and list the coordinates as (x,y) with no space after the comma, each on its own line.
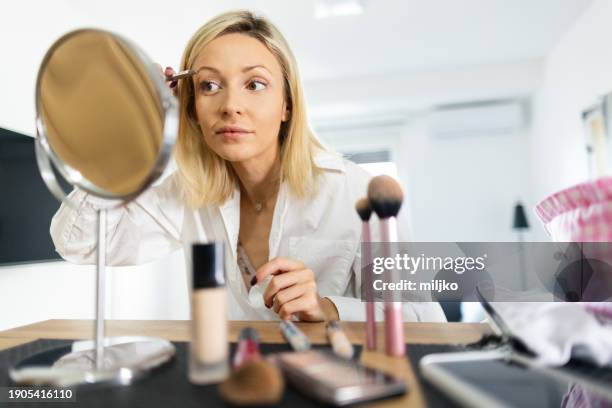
(391,36)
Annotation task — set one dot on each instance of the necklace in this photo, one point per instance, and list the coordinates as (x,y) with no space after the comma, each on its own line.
(259,205)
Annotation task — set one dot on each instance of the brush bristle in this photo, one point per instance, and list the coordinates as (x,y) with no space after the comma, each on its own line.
(257,382)
(385,195)
(363,209)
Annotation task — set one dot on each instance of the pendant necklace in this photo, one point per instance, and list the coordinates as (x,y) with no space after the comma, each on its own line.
(259,205)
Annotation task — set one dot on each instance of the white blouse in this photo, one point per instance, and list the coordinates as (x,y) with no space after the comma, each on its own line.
(323,232)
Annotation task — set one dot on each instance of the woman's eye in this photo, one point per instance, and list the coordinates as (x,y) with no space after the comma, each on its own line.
(256,85)
(208,86)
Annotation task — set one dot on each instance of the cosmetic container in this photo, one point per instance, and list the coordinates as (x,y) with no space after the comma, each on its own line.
(209,349)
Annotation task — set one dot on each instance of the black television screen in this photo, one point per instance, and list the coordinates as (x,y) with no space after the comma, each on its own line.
(26,205)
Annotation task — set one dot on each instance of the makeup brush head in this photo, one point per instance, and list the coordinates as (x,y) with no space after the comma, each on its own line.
(363,209)
(258,382)
(385,195)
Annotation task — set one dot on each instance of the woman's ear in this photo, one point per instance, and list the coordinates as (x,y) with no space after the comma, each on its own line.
(286,112)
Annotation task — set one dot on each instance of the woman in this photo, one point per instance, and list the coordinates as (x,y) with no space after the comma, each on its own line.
(252,175)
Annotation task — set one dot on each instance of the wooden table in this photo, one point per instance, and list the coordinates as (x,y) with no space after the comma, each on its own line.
(178,330)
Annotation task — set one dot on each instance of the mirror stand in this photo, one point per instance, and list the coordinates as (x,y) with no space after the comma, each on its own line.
(100,290)
(136,344)
(127,357)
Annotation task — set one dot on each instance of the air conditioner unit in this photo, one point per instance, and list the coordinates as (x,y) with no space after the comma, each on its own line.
(478,118)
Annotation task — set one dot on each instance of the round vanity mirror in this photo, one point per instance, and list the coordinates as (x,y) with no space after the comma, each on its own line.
(105,118)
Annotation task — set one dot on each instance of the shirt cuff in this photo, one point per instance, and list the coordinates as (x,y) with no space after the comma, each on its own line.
(353,309)
(349,309)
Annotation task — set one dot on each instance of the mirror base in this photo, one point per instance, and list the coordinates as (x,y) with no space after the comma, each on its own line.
(127,359)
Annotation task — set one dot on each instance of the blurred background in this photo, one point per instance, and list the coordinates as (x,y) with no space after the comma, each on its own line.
(475,105)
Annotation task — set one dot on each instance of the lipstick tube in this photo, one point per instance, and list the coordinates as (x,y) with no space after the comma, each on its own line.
(247,349)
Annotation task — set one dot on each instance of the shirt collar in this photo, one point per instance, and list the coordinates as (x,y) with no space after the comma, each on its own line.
(327,160)
(230,213)
(230,209)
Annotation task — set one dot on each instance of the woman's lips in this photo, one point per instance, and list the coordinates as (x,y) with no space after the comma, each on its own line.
(233,133)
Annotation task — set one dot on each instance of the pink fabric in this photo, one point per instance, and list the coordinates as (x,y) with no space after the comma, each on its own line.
(582,213)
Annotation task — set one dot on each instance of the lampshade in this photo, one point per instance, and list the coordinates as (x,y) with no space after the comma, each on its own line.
(520,218)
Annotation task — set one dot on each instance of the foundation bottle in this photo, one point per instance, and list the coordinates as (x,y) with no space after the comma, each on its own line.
(209,349)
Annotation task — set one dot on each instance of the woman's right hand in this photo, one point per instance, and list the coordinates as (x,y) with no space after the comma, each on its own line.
(167,74)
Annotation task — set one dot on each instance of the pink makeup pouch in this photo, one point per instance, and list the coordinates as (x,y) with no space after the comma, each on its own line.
(582,213)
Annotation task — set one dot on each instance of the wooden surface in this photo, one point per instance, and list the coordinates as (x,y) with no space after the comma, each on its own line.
(178,330)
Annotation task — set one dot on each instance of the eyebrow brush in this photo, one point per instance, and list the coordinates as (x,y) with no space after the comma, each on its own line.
(182,74)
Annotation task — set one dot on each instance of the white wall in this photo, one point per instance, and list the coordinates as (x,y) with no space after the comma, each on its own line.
(461,189)
(60,290)
(412,92)
(576,72)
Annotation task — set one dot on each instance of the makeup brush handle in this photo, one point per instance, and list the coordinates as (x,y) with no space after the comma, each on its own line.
(366,258)
(388,229)
(370,326)
(394,330)
(183,74)
(365,232)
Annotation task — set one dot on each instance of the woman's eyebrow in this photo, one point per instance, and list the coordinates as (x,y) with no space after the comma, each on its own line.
(202,68)
(245,69)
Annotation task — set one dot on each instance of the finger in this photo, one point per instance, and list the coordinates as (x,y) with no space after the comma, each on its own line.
(301,304)
(169,71)
(280,282)
(276,266)
(289,294)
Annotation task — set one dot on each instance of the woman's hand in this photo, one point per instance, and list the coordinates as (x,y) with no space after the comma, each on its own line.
(293,290)
(167,74)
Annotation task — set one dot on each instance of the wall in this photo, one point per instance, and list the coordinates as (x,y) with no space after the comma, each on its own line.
(457,189)
(577,71)
(59,290)
(465,188)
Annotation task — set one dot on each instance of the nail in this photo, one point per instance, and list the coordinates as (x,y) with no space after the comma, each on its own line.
(253,280)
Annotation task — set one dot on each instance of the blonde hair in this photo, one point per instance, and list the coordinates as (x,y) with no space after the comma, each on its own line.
(207,178)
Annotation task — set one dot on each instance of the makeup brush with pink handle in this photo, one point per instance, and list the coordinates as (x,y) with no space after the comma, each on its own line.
(386,196)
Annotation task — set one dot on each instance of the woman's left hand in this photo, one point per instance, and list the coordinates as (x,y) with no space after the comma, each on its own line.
(293,290)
